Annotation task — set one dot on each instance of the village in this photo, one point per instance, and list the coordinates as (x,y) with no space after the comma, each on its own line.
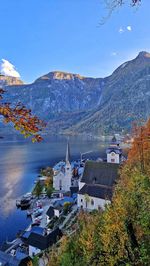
(73,186)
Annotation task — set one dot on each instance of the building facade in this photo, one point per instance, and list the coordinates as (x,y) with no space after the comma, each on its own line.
(98,180)
(114,152)
(63,174)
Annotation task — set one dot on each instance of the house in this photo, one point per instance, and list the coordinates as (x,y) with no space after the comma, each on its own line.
(99,178)
(18,259)
(49,214)
(37,239)
(96,185)
(58,210)
(59,205)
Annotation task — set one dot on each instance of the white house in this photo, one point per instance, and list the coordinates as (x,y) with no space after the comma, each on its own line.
(92,197)
(96,184)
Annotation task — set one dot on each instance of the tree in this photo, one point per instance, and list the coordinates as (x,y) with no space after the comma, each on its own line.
(140,151)
(66,208)
(115,3)
(49,191)
(22,119)
(38,189)
(112,5)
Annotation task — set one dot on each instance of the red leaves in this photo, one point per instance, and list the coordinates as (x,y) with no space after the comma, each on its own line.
(22,118)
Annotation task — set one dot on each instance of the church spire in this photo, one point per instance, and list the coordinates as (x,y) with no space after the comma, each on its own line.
(68,153)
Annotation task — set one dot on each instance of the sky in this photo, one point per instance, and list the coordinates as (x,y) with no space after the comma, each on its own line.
(39,36)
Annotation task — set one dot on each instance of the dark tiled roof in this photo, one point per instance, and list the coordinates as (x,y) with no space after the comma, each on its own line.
(43,242)
(50,212)
(8,260)
(97,191)
(114,140)
(35,229)
(114,149)
(100,173)
(74,190)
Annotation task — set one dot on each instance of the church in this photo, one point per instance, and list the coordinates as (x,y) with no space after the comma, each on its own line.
(98,179)
(63,173)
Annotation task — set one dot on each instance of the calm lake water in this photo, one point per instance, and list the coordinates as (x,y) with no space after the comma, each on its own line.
(20,163)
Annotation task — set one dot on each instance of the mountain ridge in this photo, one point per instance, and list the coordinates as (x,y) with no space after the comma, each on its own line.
(75,104)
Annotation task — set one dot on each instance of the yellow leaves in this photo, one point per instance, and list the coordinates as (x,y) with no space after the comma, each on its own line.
(33,140)
(48,181)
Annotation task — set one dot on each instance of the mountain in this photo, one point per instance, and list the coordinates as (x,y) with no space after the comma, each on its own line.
(8,80)
(125,98)
(58,95)
(75,104)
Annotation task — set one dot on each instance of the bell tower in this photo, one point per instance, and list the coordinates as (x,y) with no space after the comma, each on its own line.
(114,152)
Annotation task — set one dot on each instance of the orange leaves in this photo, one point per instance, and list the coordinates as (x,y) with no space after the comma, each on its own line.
(22,119)
(140,150)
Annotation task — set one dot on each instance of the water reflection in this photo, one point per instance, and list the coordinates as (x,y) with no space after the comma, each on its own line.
(12,177)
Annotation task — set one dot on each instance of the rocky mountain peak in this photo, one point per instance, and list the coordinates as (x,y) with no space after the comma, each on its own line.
(9,81)
(60,75)
(143,54)
(65,75)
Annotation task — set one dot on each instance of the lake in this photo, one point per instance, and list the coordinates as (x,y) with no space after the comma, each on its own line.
(21,161)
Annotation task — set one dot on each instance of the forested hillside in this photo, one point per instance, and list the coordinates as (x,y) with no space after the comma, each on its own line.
(120,235)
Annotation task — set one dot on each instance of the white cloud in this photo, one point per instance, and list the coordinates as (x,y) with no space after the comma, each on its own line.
(121,30)
(7,69)
(113,53)
(129,28)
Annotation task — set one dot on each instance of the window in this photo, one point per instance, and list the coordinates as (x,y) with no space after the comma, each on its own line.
(81,200)
(92,202)
(112,160)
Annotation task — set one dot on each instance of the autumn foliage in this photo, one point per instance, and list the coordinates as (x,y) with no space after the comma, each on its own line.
(140,152)
(22,119)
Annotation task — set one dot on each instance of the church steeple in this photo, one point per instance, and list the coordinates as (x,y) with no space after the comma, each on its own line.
(68,153)
(114,152)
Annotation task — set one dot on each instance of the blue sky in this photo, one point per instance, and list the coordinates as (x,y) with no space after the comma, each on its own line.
(39,36)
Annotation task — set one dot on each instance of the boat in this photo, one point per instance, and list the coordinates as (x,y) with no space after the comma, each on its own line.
(25,201)
(38,212)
